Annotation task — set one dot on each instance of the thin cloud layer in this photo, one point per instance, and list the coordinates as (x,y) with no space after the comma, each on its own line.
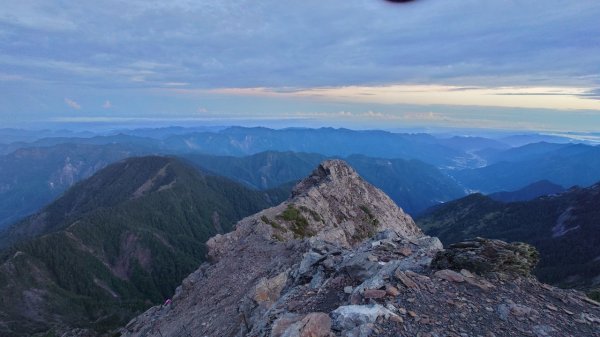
(566,98)
(137,48)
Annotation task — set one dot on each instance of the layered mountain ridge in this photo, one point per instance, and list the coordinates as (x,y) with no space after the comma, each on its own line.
(339,258)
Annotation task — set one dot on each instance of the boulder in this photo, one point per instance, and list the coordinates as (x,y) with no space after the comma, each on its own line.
(484,255)
(449,275)
(348,317)
(267,291)
(374,293)
(405,279)
(316,324)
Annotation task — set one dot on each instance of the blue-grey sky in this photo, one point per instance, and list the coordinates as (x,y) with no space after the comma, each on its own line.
(531,64)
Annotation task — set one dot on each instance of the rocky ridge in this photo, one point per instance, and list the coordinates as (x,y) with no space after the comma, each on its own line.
(339,258)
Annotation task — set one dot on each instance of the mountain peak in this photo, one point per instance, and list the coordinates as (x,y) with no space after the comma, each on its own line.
(333,204)
(350,209)
(334,171)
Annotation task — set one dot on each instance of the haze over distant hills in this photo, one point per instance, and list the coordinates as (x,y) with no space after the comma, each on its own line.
(35,176)
(32,174)
(565,165)
(529,192)
(411,183)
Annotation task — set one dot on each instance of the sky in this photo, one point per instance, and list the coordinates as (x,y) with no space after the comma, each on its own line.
(496,64)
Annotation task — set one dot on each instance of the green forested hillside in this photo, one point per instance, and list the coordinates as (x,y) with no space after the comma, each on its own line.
(32,177)
(115,244)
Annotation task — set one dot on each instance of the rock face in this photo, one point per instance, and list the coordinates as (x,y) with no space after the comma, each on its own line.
(340,259)
(483,256)
(333,204)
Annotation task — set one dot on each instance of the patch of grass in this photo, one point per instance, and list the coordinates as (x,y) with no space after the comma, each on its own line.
(367,211)
(273,223)
(370,216)
(369,230)
(363,233)
(278,237)
(312,213)
(299,224)
(595,295)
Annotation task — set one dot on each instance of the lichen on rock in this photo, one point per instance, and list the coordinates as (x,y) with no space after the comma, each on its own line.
(482,256)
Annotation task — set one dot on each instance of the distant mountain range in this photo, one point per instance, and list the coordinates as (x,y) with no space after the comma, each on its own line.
(115,243)
(563,164)
(404,165)
(411,183)
(32,177)
(529,192)
(237,141)
(564,228)
(240,141)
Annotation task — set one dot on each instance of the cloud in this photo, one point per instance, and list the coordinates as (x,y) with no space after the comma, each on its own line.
(278,54)
(306,43)
(72,104)
(567,98)
(176,84)
(592,94)
(202,110)
(107,105)
(425,116)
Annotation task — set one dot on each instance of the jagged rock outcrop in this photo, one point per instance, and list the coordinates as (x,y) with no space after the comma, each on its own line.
(484,255)
(340,259)
(333,204)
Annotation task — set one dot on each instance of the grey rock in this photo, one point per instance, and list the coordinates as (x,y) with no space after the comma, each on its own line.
(312,325)
(484,255)
(358,267)
(503,311)
(543,330)
(450,275)
(363,330)
(317,279)
(283,323)
(386,235)
(268,290)
(310,259)
(350,316)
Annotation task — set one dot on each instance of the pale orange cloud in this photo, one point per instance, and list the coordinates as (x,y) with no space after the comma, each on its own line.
(560,98)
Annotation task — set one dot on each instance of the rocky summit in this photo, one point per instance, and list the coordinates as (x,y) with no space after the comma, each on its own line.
(339,258)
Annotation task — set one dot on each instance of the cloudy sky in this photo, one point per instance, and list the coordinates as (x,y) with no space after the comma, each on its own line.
(507,64)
